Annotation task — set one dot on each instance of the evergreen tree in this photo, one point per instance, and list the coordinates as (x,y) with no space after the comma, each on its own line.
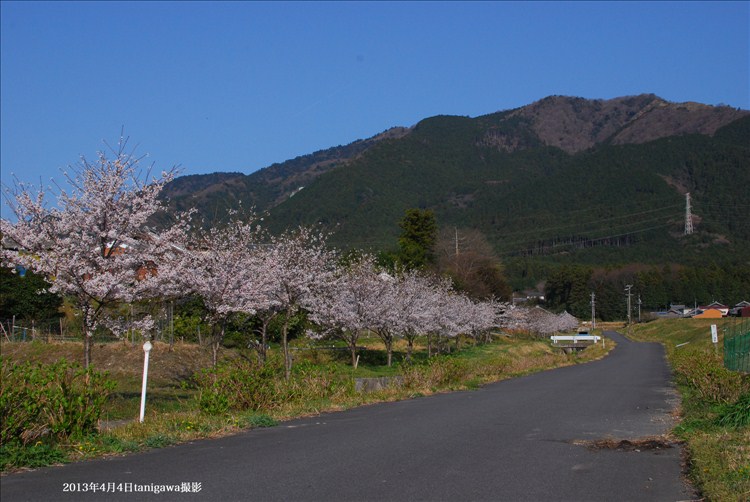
(418,238)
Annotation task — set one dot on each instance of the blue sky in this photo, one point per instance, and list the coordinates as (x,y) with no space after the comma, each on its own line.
(237,86)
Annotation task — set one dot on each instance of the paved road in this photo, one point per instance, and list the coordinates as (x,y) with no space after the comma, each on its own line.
(513,440)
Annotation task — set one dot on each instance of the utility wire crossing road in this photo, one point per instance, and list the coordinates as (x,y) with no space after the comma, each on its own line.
(547,436)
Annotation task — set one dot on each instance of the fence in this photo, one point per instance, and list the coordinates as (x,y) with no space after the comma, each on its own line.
(737,347)
(23,330)
(60,330)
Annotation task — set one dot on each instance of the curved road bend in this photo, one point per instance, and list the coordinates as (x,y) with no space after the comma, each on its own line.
(514,440)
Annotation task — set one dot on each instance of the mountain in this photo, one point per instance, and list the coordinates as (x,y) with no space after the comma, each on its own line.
(601,181)
(213,194)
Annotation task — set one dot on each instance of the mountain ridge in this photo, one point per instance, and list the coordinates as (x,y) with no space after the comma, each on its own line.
(572,124)
(519,175)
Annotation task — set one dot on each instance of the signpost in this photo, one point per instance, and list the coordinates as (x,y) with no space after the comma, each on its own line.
(146,349)
(715,338)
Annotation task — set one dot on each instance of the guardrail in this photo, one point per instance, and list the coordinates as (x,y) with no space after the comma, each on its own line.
(575,338)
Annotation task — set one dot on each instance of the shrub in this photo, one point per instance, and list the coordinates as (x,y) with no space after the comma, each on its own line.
(737,414)
(238,385)
(705,374)
(244,384)
(438,371)
(314,381)
(58,400)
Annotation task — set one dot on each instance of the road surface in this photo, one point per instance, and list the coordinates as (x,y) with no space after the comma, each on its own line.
(523,439)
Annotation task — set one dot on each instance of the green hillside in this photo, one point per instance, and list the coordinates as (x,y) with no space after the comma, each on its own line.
(611,203)
(214,194)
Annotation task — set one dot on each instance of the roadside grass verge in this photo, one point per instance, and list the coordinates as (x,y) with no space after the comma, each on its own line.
(715,411)
(322,381)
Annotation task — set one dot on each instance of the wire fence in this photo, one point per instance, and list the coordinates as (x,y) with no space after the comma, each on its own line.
(737,346)
(62,330)
(26,330)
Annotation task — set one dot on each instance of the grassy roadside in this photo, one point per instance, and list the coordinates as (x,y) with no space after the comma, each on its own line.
(323,382)
(715,405)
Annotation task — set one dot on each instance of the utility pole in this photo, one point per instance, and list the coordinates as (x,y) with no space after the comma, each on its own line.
(688,216)
(456,241)
(639,308)
(629,294)
(593,310)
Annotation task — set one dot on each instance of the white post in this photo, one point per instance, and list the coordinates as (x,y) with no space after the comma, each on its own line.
(146,348)
(715,338)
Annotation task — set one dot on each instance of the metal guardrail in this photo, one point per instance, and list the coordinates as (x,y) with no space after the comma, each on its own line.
(575,338)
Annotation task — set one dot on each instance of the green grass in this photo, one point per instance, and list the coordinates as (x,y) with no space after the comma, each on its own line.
(715,405)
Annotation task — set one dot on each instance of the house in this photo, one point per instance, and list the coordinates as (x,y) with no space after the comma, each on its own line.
(708,313)
(677,310)
(736,311)
(716,306)
(528,297)
(744,312)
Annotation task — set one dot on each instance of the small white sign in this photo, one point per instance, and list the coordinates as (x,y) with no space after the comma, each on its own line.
(714,334)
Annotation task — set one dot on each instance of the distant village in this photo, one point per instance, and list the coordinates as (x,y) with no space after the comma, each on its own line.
(714,310)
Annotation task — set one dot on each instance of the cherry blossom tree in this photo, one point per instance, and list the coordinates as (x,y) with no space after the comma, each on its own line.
(406,304)
(539,321)
(418,304)
(341,309)
(227,268)
(301,266)
(94,246)
(382,314)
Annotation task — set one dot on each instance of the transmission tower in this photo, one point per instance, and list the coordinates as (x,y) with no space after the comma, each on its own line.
(688,216)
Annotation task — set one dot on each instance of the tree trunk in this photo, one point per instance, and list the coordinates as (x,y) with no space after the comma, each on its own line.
(409,347)
(88,332)
(429,345)
(285,345)
(264,340)
(216,343)
(389,350)
(87,342)
(215,352)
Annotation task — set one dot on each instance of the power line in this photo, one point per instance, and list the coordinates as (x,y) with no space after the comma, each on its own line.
(565,244)
(592,222)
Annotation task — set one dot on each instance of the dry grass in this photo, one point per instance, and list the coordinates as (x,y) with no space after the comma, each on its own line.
(120,359)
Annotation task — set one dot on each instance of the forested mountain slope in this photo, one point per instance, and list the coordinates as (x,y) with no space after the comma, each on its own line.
(597,181)
(213,194)
(532,198)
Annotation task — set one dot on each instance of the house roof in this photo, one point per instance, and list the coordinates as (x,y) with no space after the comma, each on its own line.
(716,305)
(709,314)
